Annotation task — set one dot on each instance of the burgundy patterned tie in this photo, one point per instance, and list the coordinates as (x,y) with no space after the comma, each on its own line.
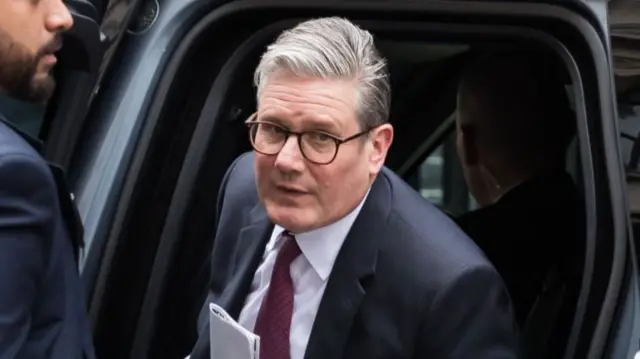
(274,318)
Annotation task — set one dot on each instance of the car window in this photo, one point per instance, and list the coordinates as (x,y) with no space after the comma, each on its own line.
(431,177)
(440,180)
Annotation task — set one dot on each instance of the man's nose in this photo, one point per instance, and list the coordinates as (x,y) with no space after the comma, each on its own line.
(290,158)
(59,18)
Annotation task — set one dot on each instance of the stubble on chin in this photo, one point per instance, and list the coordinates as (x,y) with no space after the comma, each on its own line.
(18,68)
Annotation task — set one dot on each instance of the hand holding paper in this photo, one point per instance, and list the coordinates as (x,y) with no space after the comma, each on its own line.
(228,339)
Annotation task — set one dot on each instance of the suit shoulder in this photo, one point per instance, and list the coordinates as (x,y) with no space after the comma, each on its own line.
(12,143)
(20,164)
(24,173)
(239,185)
(428,237)
(28,197)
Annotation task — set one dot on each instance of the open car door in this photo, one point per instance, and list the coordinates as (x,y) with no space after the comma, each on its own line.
(168,121)
(84,58)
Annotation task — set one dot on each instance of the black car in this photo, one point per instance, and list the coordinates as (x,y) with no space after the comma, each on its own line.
(150,109)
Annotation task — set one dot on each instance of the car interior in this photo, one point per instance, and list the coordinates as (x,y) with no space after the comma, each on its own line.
(165,222)
(424,85)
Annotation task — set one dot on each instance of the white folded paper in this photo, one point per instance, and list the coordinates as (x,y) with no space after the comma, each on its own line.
(228,339)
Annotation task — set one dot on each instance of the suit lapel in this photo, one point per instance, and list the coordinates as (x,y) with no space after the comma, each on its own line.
(68,209)
(355,262)
(251,243)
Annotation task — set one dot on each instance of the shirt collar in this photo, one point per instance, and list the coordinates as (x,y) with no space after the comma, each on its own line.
(321,246)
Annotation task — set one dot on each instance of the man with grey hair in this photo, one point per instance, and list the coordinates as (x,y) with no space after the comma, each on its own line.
(321,250)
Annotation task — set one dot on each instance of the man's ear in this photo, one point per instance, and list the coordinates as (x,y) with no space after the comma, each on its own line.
(469,138)
(380,138)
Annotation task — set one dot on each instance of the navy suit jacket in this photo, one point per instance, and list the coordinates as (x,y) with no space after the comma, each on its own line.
(42,305)
(407,282)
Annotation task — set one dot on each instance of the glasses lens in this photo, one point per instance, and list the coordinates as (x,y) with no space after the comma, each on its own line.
(267,138)
(318,147)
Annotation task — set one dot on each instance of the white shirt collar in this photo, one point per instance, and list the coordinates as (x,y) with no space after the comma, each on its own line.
(321,246)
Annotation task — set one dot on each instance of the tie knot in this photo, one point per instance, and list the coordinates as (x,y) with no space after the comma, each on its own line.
(289,250)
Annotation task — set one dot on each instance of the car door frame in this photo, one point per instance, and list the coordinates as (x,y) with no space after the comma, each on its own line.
(82,64)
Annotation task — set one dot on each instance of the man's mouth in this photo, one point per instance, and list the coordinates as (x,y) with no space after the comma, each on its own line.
(48,52)
(49,59)
(291,189)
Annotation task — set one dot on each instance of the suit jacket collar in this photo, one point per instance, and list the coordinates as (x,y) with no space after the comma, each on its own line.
(33,142)
(347,286)
(321,246)
(252,239)
(345,289)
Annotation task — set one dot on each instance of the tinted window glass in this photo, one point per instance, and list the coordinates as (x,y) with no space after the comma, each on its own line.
(440,180)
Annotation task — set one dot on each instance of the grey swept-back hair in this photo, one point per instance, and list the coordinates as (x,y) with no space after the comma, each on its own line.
(333,47)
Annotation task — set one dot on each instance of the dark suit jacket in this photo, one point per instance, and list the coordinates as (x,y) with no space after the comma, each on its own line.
(531,228)
(42,306)
(407,282)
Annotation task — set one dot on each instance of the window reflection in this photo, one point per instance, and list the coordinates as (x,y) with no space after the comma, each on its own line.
(431,177)
(440,179)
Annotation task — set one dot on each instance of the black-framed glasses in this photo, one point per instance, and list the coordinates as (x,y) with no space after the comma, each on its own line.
(316,146)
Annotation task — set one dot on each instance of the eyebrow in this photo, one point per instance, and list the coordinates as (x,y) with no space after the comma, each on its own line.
(314,124)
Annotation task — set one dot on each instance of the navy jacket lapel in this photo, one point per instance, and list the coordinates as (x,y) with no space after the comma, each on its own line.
(35,143)
(346,288)
(252,241)
(68,208)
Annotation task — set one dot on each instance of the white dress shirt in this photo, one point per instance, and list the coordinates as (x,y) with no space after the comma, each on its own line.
(309,273)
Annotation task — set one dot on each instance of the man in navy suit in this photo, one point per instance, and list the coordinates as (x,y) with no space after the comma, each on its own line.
(42,310)
(324,252)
